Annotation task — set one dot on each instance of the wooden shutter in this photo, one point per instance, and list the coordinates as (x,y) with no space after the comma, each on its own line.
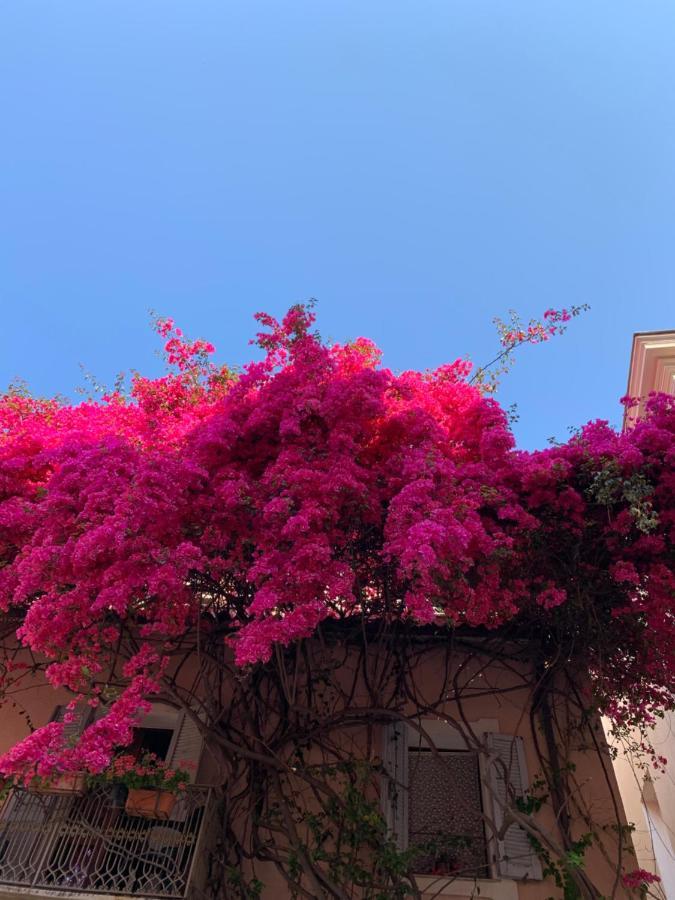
(83,714)
(394,787)
(186,745)
(515,855)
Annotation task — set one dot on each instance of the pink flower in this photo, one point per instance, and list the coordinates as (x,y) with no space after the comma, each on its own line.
(319,484)
(551,597)
(625,571)
(639,878)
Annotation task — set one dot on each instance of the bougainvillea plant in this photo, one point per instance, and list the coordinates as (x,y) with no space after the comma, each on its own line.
(316,485)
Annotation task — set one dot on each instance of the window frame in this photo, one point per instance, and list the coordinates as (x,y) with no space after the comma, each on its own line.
(418,748)
(398,737)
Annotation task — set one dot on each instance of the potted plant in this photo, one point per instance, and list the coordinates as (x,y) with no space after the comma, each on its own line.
(152,786)
(73,783)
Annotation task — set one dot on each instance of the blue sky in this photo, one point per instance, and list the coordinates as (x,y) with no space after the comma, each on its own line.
(417,166)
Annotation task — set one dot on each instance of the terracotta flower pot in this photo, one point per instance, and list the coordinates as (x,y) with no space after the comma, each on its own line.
(63,784)
(150,803)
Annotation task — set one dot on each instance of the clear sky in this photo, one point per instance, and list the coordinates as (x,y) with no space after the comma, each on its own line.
(417,166)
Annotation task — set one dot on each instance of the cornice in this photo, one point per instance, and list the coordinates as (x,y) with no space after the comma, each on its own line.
(652,368)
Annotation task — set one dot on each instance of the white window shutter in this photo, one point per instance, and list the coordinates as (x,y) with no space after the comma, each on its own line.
(394,788)
(516,857)
(186,746)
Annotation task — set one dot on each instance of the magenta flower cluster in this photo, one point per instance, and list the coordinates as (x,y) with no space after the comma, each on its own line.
(279,497)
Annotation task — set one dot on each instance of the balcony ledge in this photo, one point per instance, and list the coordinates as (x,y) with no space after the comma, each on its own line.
(12,892)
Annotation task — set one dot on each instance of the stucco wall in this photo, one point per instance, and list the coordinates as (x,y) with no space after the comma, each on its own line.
(507,712)
(649,800)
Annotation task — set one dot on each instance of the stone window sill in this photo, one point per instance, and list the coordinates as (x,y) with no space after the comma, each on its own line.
(463,888)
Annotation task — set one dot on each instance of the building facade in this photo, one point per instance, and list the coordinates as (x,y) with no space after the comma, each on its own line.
(649,795)
(448,747)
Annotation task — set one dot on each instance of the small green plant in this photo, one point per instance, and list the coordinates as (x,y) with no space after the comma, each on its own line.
(346,837)
(6,785)
(239,887)
(609,486)
(444,854)
(560,870)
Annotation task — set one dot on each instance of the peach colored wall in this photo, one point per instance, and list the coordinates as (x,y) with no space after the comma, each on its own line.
(38,700)
(649,801)
(594,777)
(509,710)
(651,806)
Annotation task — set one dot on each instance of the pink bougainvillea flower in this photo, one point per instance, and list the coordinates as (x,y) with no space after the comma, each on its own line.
(287,490)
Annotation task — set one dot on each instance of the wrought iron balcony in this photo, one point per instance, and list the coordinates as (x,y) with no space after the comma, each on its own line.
(87,844)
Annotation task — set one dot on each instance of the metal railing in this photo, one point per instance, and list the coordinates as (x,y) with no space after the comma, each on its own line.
(89,844)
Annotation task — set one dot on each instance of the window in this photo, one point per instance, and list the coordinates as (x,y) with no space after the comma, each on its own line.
(151,740)
(171,734)
(444,813)
(433,799)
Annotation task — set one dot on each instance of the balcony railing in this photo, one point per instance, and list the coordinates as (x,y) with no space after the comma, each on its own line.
(87,844)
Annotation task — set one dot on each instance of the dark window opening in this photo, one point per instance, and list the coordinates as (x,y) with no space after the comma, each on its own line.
(151,740)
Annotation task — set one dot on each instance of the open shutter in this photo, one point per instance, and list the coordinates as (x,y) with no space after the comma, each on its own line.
(394,789)
(186,746)
(82,716)
(515,856)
